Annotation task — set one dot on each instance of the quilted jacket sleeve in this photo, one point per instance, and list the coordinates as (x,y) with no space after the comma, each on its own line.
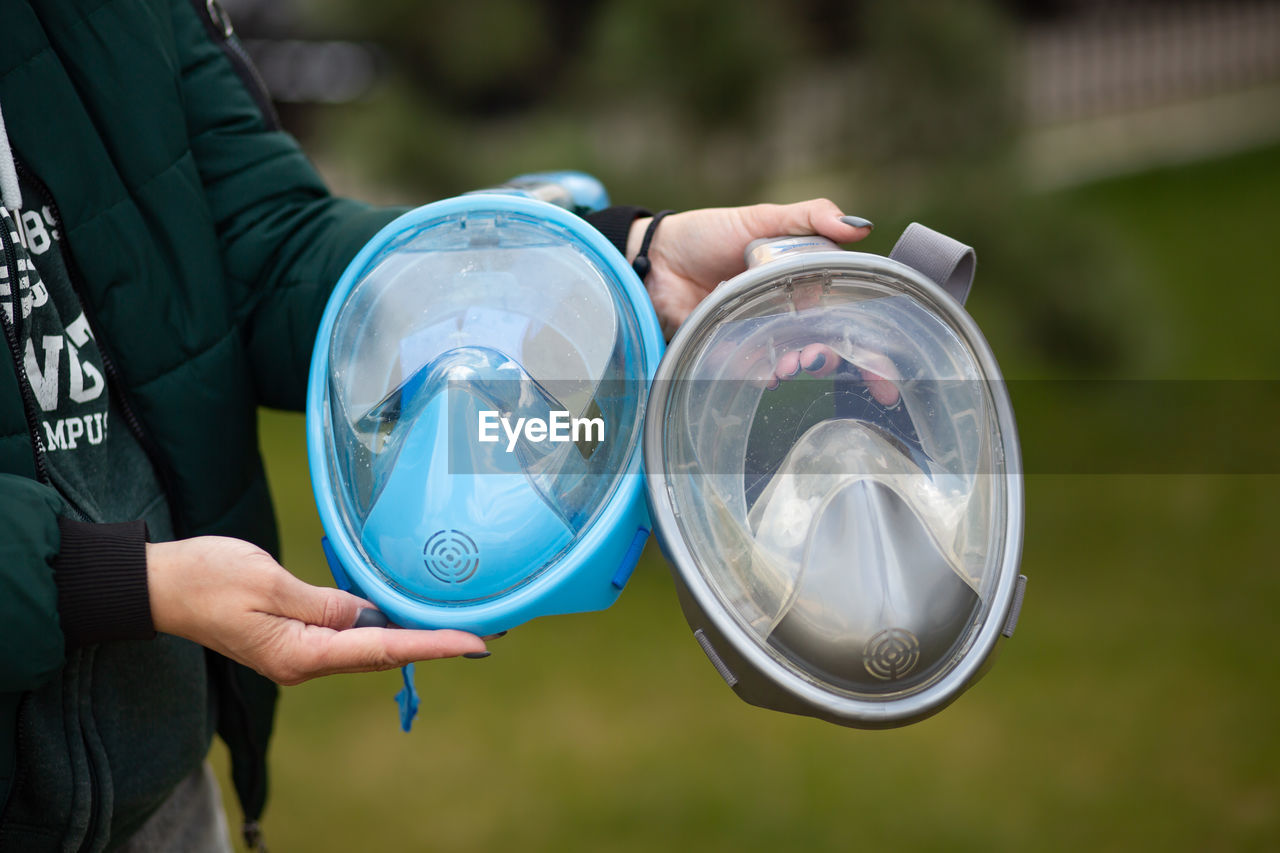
(284,238)
(63,583)
(31,641)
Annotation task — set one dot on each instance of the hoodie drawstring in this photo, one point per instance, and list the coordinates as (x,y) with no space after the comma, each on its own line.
(10,194)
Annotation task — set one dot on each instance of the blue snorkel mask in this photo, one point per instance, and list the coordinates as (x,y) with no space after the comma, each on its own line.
(475,410)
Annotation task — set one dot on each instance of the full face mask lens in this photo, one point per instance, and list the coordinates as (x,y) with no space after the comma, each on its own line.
(839,460)
(476,405)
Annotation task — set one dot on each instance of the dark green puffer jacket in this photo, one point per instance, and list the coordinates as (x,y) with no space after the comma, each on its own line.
(205,247)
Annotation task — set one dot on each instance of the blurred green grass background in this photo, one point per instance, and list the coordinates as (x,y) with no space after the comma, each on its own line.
(1135,707)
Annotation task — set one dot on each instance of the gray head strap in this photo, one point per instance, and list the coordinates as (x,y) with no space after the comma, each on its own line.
(948,262)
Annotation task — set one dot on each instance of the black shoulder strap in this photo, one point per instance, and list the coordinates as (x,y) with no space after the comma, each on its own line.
(246,708)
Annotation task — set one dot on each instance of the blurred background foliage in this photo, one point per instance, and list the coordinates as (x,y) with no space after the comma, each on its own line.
(1116,165)
(900,110)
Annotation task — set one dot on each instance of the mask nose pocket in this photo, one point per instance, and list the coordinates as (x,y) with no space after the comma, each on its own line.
(452,518)
(854,525)
(876,605)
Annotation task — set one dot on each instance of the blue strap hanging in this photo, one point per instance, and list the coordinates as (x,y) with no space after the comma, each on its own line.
(407,698)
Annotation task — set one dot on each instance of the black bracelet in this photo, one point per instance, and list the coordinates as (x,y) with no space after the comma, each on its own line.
(642,264)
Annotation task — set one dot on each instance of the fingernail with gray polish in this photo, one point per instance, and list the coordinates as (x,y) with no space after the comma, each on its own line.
(818,363)
(857,222)
(477,655)
(370,617)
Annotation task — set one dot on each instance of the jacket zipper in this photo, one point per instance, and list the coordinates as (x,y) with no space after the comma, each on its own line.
(217,24)
(115,383)
(84,674)
(15,347)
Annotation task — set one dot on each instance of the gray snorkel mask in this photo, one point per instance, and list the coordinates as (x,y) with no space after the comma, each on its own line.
(845,539)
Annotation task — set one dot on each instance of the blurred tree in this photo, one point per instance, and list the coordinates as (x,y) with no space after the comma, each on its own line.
(938,89)
(706,58)
(907,108)
(481,58)
(937,125)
